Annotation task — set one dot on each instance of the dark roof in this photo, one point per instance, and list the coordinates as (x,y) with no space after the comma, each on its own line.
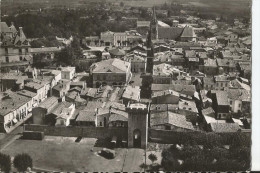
(171,33)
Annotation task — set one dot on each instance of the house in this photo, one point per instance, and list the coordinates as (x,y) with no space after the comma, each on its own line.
(39,113)
(87,118)
(73,96)
(170,121)
(188,90)
(15,48)
(210,67)
(165,73)
(14,81)
(89,93)
(117,53)
(118,118)
(32,96)
(189,109)
(14,109)
(38,87)
(221,82)
(138,63)
(111,72)
(237,97)
(221,105)
(225,127)
(67,73)
(131,94)
(226,65)
(165,97)
(61,114)
(61,89)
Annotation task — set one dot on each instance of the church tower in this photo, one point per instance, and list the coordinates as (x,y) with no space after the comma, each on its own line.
(154,26)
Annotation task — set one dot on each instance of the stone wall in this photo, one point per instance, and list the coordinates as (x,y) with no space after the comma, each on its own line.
(174,137)
(90,132)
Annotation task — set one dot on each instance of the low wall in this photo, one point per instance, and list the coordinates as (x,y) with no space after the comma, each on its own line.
(170,137)
(90,132)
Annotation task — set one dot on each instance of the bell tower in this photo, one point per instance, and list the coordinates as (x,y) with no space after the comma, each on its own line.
(154,26)
(137,125)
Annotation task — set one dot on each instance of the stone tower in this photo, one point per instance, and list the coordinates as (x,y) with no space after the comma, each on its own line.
(137,125)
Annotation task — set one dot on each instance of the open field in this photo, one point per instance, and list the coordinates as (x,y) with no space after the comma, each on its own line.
(64,154)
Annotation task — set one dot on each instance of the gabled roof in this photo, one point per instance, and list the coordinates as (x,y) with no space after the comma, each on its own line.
(161,118)
(224,127)
(4,27)
(87,116)
(111,65)
(188,32)
(171,33)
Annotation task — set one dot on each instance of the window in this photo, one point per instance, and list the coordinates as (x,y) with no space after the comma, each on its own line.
(239,105)
(100,123)
(6,59)
(21,58)
(20,50)
(230,102)
(26,50)
(6,50)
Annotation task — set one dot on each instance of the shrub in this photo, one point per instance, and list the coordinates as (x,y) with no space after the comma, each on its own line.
(5,163)
(152,157)
(22,162)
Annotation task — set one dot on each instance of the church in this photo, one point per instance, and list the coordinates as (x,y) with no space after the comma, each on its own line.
(174,32)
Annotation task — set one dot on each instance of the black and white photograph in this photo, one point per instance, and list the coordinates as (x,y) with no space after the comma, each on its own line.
(126,85)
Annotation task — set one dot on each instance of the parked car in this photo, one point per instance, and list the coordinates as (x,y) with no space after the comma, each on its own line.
(107,153)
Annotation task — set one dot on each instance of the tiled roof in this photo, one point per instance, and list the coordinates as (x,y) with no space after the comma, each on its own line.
(86,115)
(210,62)
(171,33)
(165,70)
(188,32)
(208,111)
(161,118)
(111,65)
(117,52)
(225,63)
(224,127)
(165,92)
(239,94)
(48,102)
(11,101)
(188,105)
(183,89)
(222,98)
(132,92)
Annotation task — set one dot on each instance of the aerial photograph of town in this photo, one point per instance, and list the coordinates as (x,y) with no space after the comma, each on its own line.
(125,85)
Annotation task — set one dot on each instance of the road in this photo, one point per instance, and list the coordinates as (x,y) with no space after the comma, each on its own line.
(134,158)
(7,138)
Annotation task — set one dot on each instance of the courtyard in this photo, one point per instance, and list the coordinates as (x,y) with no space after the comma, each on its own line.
(64,154)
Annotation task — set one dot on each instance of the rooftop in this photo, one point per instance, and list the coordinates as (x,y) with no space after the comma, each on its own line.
(111,65)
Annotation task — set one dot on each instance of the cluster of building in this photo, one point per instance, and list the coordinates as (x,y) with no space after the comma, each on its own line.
(195,85)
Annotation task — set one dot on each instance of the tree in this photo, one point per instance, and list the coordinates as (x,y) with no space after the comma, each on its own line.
(152,157)
(5,163)
(22,162)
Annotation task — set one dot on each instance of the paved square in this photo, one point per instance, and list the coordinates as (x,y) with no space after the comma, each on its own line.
(64,154)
